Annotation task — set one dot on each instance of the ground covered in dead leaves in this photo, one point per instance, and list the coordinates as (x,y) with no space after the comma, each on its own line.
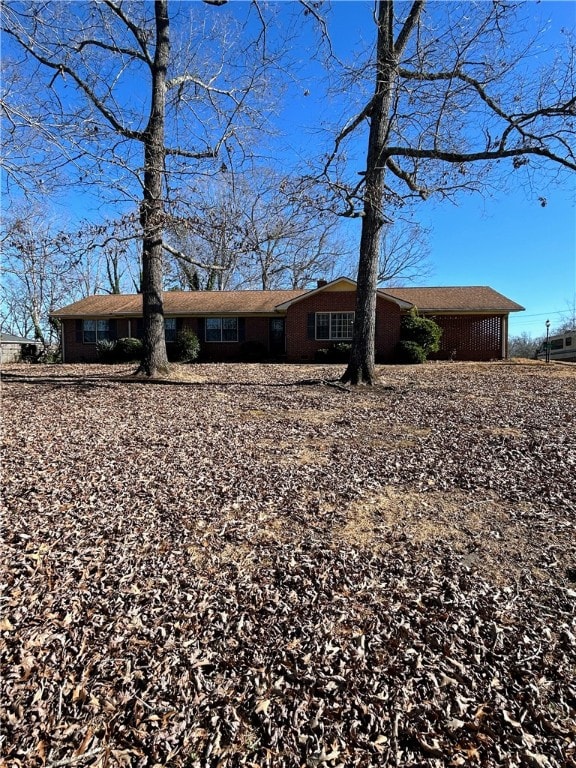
(236,568)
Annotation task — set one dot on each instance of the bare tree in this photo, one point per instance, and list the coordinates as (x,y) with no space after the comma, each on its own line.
(404,254)
(87,56)
(523,345)
(36,269)
(107,256)
(568,320)
(288,242)
(206,240)
(450,102)
(253,230)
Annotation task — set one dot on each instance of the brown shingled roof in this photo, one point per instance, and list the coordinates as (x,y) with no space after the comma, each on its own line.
(479,298)
(181,303)
(452,299)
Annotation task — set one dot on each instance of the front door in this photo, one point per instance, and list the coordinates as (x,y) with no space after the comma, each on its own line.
(277,336)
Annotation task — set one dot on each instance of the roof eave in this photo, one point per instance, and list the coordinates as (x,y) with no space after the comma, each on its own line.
(395,300)
(473,311)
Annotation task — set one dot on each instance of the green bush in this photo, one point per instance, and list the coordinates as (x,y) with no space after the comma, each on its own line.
(185,349)
(50,355)
(322,355)
(29,353)
(253,351)
(106,351)
(127,349)
(409,353)
(422,331)
(123,350)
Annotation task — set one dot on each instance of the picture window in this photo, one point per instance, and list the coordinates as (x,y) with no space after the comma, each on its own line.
(334,326)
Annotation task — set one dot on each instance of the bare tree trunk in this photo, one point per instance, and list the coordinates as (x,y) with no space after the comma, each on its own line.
(155,359)
(361,368)
(113,272)
(38,333)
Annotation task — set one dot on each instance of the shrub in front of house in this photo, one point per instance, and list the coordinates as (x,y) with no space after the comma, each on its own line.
(50,355)
(420,330)
(29,353)
(123,350)
(340,352)
(185,349)
(409,353)
(106,351)
(128,350)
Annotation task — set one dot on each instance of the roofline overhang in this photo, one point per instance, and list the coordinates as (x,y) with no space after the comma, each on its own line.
(402,303)
(136,315)
(478,311)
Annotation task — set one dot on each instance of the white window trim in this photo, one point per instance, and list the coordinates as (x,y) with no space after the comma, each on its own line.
(330,337)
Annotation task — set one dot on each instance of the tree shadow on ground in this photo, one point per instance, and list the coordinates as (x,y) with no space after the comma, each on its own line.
(103,380)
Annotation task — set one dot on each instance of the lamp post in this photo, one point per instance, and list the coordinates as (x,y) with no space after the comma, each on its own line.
(547,341)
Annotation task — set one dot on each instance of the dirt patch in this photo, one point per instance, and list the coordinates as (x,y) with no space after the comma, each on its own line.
(491,537)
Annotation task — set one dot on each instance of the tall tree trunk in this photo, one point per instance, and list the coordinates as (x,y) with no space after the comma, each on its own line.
(155,359)
(113,271)
(361,368)
(38,333)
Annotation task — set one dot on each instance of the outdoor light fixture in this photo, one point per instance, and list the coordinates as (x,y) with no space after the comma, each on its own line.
(547,341)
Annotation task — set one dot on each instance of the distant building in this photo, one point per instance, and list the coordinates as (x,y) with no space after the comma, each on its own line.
(13,348)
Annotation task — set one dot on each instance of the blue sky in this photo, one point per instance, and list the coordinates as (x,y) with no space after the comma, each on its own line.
(504,239)
(511,243)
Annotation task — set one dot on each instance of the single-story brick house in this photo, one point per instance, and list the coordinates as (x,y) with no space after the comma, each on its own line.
(294,325)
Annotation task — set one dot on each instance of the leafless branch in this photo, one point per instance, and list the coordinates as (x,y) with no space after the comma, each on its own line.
(472,157)
(309,9)
(62,69)
(348,129)
(138,32)
(408,28)
(188,259)
(407,178)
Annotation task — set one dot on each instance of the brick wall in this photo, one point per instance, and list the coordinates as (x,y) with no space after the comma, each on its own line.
(256,329)
(300,347)
(470,337)
(75,351)
(387,329)
(465,337)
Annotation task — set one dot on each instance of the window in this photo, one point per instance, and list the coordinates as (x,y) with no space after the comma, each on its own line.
(221,329)
(334,326)
(568,341)
(557,344)
(96,330)
(170,328)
